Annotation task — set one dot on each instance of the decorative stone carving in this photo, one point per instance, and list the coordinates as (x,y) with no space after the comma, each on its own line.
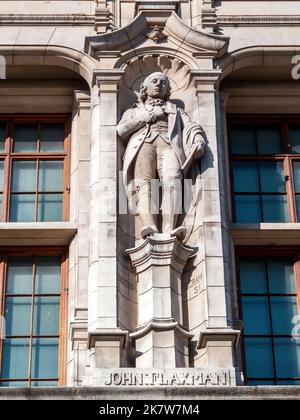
(162,140)
(157,34)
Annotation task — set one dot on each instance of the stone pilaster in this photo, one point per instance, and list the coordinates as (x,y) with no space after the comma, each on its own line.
(104,335)
(217,338)
(160,340)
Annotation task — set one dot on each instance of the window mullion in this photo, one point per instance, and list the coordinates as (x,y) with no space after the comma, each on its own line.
(37,190)
(3,272)
(8,173)
(297,280)
(290,189)
(31,320)
(271,321)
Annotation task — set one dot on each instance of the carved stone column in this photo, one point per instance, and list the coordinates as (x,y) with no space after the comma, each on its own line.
(160,340)
(106,340)
(218,338)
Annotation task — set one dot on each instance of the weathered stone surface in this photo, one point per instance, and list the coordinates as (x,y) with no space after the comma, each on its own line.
(153,393)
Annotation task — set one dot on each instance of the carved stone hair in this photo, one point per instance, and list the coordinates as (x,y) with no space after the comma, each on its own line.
(144,85)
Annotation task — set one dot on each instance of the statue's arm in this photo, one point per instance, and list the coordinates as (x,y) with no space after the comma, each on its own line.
(194,134)
(131,121)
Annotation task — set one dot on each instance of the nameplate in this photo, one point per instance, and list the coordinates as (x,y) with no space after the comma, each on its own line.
(156,377)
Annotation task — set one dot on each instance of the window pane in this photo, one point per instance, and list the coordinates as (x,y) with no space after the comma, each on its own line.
(272,177)
(2,135)
(44,383)
(269,139)
(296,171)
(287,357)
(260,383)
(247,209)
(52,137)
(47,278)
(51,176)
(252,276)
(289,382)
(275,208)
(17,316)
(44,358)
(13,384)
(243,140)
(46,316)
(284,310)
(50,207)
(15,358)
(294,138)
(1,174)
(258,352)
(24,176)
(25,137)
(256,315)
(22,208)
(19,276)
(245,177)
(281,275)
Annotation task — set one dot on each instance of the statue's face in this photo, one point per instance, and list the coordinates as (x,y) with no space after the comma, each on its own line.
(157,86)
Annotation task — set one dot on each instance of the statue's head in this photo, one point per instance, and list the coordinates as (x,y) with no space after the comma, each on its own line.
(156,86)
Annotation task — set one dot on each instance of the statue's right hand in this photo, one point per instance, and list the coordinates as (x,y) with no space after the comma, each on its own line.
(150,117)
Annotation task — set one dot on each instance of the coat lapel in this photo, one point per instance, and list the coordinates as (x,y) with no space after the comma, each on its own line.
(172,112)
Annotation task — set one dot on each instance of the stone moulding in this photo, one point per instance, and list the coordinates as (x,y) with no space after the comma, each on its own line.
(156,4)
(219,334)
(255,20)
(135,34)
(41,20)
(163,325)
(107,335)
(158,250)
(253,56)
(52,55)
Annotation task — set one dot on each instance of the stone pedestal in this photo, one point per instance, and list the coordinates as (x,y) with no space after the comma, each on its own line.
(160,340)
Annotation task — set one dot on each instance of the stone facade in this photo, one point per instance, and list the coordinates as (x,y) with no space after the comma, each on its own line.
(88,58)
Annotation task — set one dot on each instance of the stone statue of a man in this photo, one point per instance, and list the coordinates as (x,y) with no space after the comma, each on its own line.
(162,142)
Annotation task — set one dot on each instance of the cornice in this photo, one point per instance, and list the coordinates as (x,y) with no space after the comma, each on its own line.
(253,20)
(49,20)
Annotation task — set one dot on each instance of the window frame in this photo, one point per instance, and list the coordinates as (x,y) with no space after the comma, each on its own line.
(286,158)
(8,156)
(264,251)
(50,251)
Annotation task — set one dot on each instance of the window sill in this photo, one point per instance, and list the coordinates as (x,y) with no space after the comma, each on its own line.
(37,234)
(266,234)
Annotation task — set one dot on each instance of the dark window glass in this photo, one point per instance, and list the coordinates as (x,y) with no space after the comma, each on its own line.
(269,139)
(33,159)
(294,138)
(269,310)
(25,138)
(32,313)
(3,127)
(243,140)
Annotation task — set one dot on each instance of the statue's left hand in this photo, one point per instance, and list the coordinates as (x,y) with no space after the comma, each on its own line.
(200,146)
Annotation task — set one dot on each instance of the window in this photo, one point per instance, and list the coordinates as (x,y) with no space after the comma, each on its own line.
(265,169)
(33,318)
(269,294)
(34,161)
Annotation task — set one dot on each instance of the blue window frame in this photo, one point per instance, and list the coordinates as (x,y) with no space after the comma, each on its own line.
(269,296)
(265,157)
(32,313)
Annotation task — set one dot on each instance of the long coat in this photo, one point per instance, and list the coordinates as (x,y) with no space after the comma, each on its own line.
(181,132)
